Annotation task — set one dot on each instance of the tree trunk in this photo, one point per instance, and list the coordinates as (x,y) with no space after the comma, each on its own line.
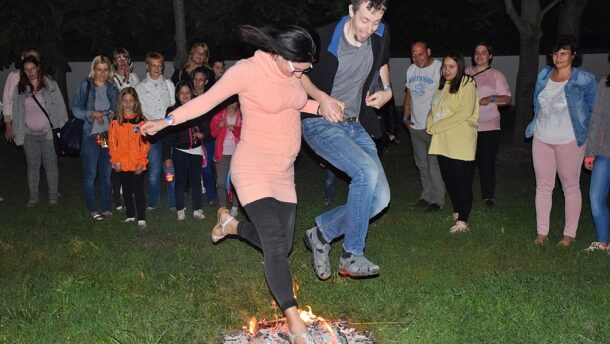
(570,15)
(526,81)
(180,37)
(529,24)
(59,75)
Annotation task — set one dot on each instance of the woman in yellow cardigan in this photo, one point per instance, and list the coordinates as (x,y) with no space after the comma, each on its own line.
(452,122)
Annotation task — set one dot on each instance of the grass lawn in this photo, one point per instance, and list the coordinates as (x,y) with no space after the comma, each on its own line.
(66,279)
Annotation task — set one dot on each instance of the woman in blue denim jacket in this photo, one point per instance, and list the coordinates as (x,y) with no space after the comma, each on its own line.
(95,102)
(563,101)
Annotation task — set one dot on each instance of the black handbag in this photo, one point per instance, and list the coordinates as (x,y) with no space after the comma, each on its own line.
(67,139)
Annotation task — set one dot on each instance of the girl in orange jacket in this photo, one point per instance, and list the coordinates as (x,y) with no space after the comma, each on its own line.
(128,153)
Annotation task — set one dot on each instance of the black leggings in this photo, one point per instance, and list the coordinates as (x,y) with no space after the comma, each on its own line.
(133,185)
(272,230)
(457,175)
(488,143)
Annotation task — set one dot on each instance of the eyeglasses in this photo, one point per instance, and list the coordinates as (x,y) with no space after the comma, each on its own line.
(302,71)
(121,58)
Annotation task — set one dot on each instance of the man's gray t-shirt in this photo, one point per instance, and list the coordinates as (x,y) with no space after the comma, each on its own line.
(354,66)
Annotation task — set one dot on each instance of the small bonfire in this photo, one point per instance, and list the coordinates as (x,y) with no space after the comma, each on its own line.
(275,331)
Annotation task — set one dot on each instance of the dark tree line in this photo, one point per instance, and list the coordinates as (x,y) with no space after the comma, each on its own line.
(65,30)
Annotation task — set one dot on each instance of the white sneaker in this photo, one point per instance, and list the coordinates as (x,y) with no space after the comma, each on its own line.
(181,215)
(597,246)
(198,214)
(130,219)
(142,224)
(234,211)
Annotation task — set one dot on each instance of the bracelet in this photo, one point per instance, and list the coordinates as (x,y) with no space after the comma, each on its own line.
(386,86)
(169,119)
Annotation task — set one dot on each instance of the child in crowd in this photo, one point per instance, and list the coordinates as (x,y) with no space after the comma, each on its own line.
(128,153)
(226,128)
(182,148)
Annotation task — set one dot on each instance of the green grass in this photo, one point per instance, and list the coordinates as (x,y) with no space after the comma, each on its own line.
(65,279)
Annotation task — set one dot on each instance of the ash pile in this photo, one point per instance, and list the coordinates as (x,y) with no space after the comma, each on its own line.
(323,332)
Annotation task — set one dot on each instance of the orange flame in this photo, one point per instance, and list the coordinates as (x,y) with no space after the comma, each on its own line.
(252,326)
(295,289)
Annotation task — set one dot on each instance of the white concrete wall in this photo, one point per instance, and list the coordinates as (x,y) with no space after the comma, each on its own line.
(595,63)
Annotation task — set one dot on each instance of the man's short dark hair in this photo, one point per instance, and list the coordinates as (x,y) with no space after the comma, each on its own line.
(371,5)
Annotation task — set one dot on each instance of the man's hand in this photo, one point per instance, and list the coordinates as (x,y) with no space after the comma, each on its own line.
(379,98)
(139,169)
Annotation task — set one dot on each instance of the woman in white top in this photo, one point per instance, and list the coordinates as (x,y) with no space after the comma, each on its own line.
(563,101)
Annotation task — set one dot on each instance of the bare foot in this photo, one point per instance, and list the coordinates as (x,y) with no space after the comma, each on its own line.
(225,225)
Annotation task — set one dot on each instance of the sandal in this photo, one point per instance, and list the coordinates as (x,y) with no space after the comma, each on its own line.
(97,217)
(541,240)
(221,225)
(566,241)
(307,339)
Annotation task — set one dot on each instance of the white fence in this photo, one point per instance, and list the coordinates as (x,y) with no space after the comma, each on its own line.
(595,63)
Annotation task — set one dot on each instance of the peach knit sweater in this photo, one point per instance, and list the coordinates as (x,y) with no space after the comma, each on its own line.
(271,102)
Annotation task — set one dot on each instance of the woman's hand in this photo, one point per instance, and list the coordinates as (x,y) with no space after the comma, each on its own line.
(139,169)
(98,116)
(589,165)
(230,127)
(199,135)
(485,100)
(331,109)
(154,126)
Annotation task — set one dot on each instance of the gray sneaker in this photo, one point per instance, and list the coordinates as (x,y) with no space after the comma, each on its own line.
(357,266)
(319,253)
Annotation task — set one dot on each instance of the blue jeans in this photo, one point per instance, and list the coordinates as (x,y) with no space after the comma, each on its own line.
(96,163)
(598,196)
(156,172)
(350,149)
(329,185)
(209,182)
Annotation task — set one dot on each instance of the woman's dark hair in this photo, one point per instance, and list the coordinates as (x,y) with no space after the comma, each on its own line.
(291,42)
(179,86)
(568,42)
(490,50)
(24,81)
(454,85)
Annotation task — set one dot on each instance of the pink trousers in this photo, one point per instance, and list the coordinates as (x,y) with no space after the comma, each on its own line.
(550,160)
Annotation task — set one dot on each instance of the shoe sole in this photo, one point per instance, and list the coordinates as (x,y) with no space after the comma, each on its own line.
(309,245)
(346,273)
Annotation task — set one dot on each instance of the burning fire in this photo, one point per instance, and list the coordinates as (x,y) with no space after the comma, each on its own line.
(252,326)
(274,331)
